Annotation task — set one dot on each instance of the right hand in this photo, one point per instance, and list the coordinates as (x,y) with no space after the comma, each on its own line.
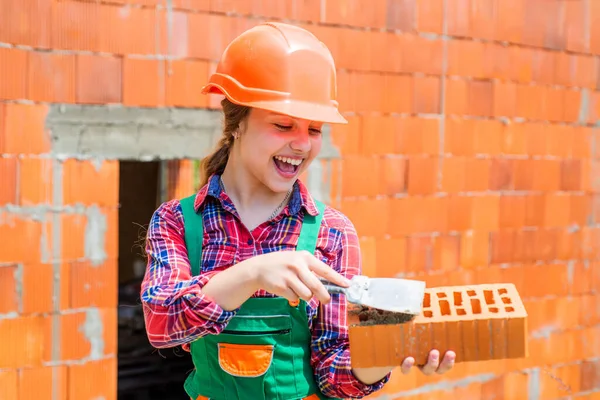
(295,275)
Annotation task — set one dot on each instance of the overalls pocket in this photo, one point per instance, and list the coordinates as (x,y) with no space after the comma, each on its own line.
(246,351)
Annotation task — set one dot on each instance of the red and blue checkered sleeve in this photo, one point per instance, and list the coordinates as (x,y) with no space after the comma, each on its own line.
(330,346)
(176,312)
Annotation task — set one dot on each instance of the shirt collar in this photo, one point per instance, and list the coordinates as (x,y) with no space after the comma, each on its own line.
(300,198)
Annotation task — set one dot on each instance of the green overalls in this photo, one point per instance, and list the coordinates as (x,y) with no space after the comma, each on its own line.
(264,352)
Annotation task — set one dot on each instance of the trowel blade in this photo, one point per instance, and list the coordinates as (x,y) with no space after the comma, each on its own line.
(394,294)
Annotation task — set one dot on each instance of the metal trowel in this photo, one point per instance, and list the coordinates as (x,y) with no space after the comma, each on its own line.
(395,295)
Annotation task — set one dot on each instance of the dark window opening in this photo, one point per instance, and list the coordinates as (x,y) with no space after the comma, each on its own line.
(144,373)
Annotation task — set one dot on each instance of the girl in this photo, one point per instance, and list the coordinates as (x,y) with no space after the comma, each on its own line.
(233,273)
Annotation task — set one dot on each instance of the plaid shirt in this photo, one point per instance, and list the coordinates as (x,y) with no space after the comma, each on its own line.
(177,313)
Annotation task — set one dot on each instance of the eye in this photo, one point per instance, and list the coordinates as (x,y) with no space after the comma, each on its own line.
(315,131)
(283,127)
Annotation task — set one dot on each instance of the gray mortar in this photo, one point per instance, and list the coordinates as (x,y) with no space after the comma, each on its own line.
(57,201)
(93,330)
(95,233)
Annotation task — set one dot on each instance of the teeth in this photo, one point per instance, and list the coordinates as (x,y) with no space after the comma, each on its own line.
(289,160)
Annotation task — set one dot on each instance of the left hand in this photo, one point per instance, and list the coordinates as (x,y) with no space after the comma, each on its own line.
(433,363)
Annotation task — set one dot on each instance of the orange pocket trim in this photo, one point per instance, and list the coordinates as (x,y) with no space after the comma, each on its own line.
(245,360)
(311,397)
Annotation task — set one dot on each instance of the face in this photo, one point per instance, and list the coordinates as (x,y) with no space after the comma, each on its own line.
(276,149)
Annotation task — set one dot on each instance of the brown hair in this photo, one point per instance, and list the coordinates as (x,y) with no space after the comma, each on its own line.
(215,162)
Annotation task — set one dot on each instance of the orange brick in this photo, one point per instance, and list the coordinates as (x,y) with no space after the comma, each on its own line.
(184,77)
(73,236)
(15,231)
(33,382)
(23,342)
(352,12)
(347,137)
(9,384)
(9,297)
(8,177)
(479,323)
(430,16)
(357,176)
(25,129)
(104,384)
(392,177)
(35,181)
(99,79)
(51,77)
(143,82)
(426,95)
(37,287)
(93,285)
(13,70)
(77,174)
(422,175)
(75,25)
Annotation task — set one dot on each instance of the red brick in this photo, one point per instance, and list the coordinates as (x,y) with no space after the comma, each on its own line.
(51,77)
(479,323)
(99,79)
(13,70)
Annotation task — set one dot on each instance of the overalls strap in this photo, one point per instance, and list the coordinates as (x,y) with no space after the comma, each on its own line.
(194,232)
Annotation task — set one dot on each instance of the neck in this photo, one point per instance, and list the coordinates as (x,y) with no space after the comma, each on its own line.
(250,196)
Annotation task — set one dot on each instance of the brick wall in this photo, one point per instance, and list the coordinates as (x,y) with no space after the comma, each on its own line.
(471,157)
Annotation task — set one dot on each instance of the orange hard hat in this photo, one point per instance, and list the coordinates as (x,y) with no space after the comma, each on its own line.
(281,68)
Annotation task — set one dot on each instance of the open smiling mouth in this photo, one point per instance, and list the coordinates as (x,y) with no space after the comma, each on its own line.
(286,166)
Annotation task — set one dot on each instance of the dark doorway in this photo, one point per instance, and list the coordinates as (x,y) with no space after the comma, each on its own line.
(144,373)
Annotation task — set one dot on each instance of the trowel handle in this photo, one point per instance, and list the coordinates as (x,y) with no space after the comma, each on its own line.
(333,289)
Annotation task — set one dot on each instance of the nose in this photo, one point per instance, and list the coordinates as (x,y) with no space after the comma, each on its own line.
(301,141)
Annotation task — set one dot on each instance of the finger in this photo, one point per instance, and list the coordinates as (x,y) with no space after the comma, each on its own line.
(325,271)
(447,363)
(433,363)
(407,364)
(300,289)
(290,295)
(315,285)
